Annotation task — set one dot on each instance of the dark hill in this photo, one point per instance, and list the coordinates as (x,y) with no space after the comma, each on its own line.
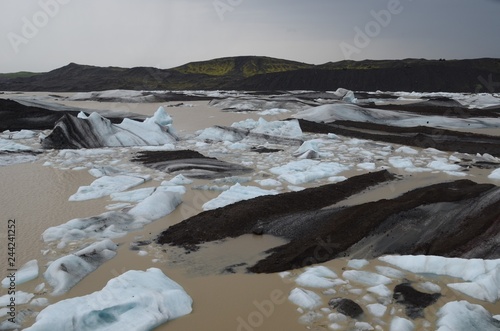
(267,74)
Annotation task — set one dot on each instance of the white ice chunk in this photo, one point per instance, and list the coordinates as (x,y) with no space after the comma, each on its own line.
(380,290)
(402,324)
(136,300)
(157,205)
(406,150)
(273,111)
(308,150)
(106,185)
(27,272)
(363,326)
(428,287)
(376,309)
(304,171)
(10,146)
(495,174)
(179,180)
(365,277)
(67,271)
(464,316)
(357,264)
(367,166)
(290,129)
(318,277)
(20,298)
(39,302)
(390,272)
(268,182)
(305,299)
(236,193)
(443,166)
(132,196)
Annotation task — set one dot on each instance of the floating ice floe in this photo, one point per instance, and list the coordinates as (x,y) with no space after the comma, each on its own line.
(482,276)
(402,324)
(27,272)
(273,112)
(365,277)
(495,174)
(319,277)
(20,298)
(67,271)
(304,171)
(236,193)
(106,185)
(7,145)
(308,150)
(464,316)
(115,224)
(305,299)
(135,300)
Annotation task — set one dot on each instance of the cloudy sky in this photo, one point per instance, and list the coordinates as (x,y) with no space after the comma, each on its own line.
(41,35)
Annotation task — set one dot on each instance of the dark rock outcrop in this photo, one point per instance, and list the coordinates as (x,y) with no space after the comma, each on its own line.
(413,300)
(346,307)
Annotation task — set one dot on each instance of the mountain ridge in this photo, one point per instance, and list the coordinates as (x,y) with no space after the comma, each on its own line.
(262,73)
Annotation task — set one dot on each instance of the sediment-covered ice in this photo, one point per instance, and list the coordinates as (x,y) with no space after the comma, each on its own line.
(95,131)
(482,276)
(236,193)
(464,316)
(135,300)
(350,112)
(27,272)
(67,271)
(304,171)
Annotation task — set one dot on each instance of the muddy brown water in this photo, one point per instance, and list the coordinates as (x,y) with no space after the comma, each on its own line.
(37,197)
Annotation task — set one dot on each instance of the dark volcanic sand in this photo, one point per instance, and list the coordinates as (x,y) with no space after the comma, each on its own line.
(458,219)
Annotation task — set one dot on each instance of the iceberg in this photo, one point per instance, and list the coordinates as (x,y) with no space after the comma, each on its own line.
(67,271)
(95,131)
(135,300)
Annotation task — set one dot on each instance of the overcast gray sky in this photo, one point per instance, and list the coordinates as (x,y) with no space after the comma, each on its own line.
(41,35)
